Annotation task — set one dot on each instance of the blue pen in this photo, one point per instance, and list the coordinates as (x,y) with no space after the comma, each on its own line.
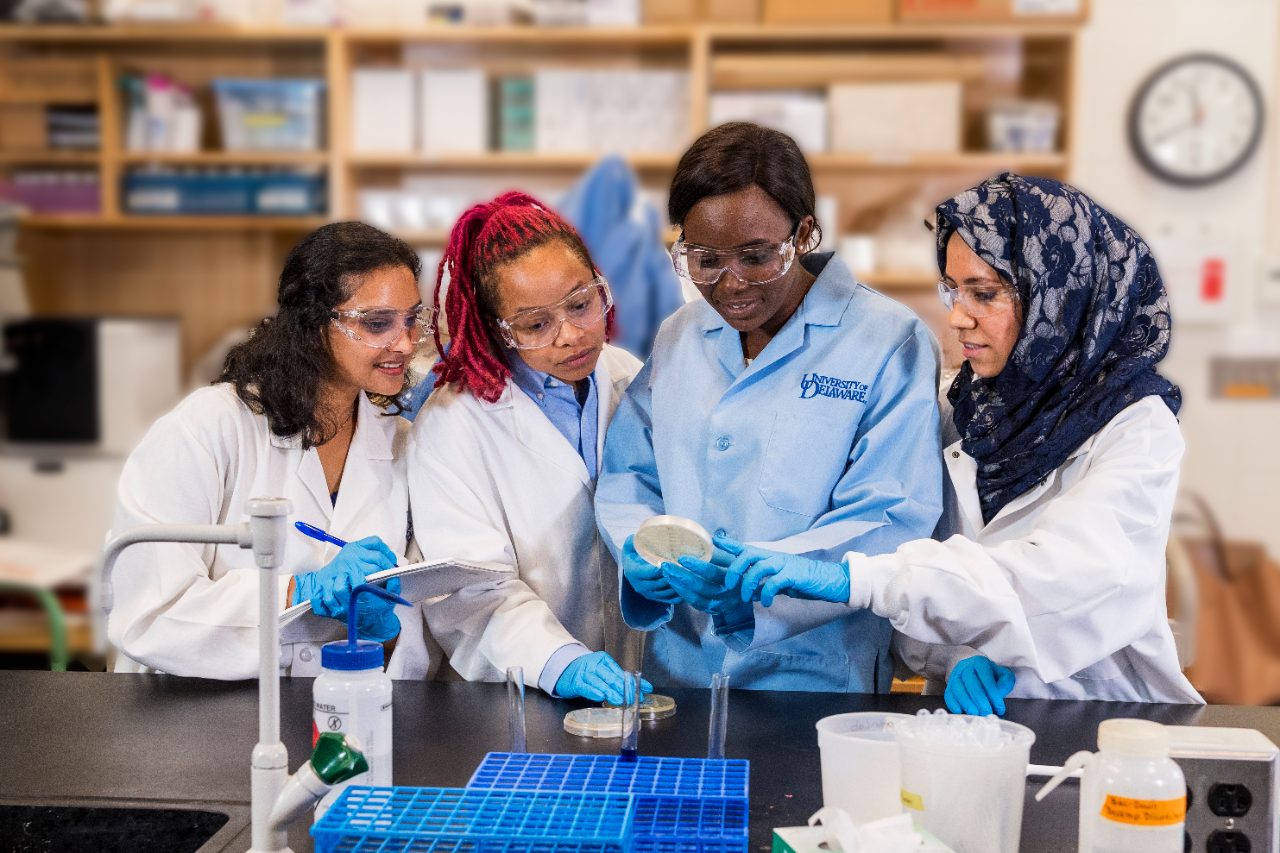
(316,533)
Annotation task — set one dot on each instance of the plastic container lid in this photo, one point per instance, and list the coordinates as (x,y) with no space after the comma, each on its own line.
(594,722)
(654,707)
(667,538)
(344,656)
(1140,738)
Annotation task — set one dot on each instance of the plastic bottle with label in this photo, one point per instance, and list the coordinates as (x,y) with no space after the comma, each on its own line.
(352,695)
(1133,796)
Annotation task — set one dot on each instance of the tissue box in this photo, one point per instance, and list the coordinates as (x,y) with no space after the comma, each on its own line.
(896,118)
(810,839)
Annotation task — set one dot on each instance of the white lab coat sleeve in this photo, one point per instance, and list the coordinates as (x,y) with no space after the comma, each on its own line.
(890,491)
(1085,583)
(495,624)
(169,614)
(628,492)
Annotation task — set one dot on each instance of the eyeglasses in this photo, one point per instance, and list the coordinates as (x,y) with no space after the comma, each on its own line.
(539,327)
(380,328)
(758,264)
(978,300)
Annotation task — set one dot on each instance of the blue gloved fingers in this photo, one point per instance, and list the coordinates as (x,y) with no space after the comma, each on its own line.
(708,572)
(632,556)
(650,583)
(393,586)
(986,678)
(744,562)
(957,695)
(689,584)
(733,546)
(645,688)
(755,574)
(385,558)
(774,584)
(1005,680)
(978,693)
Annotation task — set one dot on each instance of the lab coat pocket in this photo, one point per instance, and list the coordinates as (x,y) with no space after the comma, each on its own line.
(804,459)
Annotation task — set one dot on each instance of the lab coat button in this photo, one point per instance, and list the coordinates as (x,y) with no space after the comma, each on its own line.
(721,532)
(305,655)
(724,443)
(955,454)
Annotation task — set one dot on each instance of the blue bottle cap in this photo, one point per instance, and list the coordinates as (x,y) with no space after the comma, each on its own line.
(348,657)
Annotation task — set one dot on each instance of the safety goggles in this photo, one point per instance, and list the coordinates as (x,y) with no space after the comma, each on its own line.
(539,327)
(978,300)
(759,264)
(380,328)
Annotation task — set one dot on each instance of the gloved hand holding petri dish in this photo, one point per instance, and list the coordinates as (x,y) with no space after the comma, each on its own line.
(667,538)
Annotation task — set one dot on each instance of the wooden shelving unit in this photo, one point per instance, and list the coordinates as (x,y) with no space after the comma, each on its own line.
(114,262)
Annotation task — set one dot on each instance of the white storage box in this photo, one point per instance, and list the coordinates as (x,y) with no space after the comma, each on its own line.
(454,112)
(896,118)
(382,101)
(270,114)
(800,115)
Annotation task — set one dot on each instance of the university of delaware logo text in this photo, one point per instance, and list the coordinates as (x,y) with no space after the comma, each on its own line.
(817,385)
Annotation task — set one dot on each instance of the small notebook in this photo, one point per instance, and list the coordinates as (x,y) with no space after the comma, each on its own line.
(418,582)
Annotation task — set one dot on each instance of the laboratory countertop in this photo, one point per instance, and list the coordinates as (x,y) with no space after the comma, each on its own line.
(159,738)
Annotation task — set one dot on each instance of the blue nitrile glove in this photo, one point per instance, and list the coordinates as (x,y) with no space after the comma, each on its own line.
(763,574)
(644,577)
(597,677)
(329,588)
(704,587)
(978,686)
(376,617)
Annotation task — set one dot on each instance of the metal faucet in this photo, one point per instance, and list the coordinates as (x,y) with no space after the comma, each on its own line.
(277,798)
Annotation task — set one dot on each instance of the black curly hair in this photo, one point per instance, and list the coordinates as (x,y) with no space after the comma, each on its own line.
(280,370)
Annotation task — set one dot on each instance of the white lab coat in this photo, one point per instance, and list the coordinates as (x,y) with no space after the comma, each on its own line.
(497,482)
(1066,585)
(193,609)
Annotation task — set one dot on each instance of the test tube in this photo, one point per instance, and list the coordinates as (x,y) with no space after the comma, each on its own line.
(719,724)
(631,720)
(515,702)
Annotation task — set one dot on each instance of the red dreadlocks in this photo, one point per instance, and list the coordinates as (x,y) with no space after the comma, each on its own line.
(487,237)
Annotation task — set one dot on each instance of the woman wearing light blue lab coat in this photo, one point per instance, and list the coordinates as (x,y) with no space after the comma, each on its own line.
(791,406)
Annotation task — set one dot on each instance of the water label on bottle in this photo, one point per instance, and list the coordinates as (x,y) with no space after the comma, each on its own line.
(1135,812)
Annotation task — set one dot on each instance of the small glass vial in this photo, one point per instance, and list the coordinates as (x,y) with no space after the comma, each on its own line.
(352,695)
(1133,796)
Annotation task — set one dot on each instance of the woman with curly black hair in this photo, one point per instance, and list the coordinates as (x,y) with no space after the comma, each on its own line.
(304,410)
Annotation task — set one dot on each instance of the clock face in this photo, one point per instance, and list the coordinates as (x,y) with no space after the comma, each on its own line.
(1196,119)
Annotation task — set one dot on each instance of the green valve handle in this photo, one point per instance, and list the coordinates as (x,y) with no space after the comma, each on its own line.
(335,760)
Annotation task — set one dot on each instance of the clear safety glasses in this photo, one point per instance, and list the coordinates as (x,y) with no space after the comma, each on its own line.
(380,328)
(759,264)
(978,300)
(539,327)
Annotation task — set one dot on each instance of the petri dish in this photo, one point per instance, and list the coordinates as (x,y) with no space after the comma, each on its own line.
(667,538)
(654,707)
(606,721)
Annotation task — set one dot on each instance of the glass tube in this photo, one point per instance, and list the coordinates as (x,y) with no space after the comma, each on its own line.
(515,703)
(631,719)
(719,725)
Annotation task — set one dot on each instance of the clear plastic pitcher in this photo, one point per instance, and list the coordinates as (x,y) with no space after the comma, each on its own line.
(964,779)
(860,764)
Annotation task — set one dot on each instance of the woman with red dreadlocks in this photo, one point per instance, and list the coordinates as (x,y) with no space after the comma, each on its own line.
(504,455)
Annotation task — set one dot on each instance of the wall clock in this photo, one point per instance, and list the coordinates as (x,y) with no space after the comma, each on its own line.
(1196,119)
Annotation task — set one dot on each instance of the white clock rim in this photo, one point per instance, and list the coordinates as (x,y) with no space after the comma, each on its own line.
(1246,153)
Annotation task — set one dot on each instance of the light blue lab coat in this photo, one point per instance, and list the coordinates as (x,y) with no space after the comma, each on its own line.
(827,442)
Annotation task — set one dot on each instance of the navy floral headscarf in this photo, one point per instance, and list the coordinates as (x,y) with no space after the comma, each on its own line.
(1095,324)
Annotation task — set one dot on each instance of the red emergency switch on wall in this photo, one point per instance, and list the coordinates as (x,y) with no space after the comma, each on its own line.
(1213,279)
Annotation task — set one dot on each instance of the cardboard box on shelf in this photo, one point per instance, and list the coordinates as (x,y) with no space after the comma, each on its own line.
(824,12)
(923,11)
(696,11)
(896,118)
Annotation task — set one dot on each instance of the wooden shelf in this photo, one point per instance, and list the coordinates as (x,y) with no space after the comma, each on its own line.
(979,160)
(93,222)
(227,158)
(499,160)
(194,32)
(88,158)
(900,279)
(675,36)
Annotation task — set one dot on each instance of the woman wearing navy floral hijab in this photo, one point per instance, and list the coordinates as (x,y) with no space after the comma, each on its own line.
(1063,451)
